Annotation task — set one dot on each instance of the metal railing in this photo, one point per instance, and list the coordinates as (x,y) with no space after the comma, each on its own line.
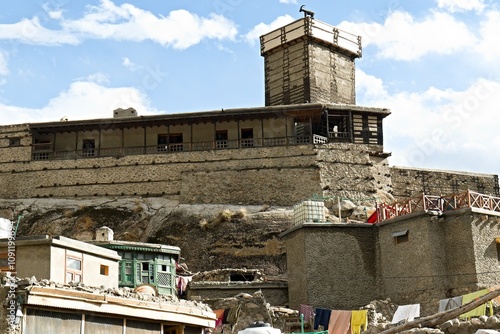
(45,151)
(438,204)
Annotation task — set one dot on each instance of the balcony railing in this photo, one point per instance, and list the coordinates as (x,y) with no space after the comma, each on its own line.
(45,152)
(438,204)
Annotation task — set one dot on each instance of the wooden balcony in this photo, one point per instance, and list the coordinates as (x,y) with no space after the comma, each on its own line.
(45,151)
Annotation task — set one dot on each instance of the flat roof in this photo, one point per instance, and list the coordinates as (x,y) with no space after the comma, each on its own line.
(63,242)
(137,246)
(293,110)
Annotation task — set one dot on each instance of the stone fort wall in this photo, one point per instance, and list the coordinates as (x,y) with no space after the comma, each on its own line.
(412,182)
(259,175)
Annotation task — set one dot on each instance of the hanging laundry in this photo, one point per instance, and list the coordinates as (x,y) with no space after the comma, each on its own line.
(307,311)
(340,322)
(478,311)
(406,312)
(322,318)
(359,321)
(450,303)
(182,283)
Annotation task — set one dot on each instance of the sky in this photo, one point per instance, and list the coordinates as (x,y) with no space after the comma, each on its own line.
(433,63)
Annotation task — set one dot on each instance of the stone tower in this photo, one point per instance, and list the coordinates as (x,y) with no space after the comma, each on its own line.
(309,61)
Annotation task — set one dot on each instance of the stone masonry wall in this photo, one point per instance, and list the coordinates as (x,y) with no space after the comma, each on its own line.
(444,257)
(413,271)
(15,153)
(332,76)
(274,175)
(412,182)
(485,231)
(339,265)
(268,175)
(277,175)
(349,171)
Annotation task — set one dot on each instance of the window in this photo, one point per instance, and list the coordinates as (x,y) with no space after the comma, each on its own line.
(145,273)
(221,139)
(400,236)
(4,262)
(162,143)
(241,277)
(88,148)
(104,270)
(247,137)
(170,142)
(175,140)
(16,141)
(73,269)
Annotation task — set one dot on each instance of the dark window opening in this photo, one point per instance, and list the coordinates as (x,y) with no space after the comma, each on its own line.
(14,141)
(104,270)
(221,138)
(400,237)
(242,277)
(170,142)
(247,137)
(88,148)
(338,127)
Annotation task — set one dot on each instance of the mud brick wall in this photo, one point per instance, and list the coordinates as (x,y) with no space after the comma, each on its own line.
(412,182)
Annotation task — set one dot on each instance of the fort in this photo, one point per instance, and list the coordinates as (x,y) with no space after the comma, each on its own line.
(309,140)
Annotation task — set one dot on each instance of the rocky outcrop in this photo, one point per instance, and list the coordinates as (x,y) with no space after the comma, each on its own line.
(210,236)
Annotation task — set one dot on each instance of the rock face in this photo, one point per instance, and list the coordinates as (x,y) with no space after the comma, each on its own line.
(210,236)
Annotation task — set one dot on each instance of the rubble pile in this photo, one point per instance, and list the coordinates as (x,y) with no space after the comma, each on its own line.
(125,292)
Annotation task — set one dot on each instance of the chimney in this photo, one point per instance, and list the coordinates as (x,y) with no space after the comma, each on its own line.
(123,113)
(104,234)
(308,61)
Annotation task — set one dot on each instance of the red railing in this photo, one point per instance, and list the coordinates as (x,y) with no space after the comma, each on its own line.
(438,204)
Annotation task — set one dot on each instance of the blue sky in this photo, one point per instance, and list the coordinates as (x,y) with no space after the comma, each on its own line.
(434,63)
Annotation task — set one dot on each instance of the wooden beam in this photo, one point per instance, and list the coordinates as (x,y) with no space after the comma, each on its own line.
(442,317)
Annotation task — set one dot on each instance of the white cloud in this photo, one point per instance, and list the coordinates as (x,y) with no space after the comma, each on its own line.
(289,2)
(489,47)
(82,100)
(439,127)
(4,70)
(32,32)
(130,65)
(260,29)
(99,78)
(180,29)
(56,14)
(462,5)
(401,37)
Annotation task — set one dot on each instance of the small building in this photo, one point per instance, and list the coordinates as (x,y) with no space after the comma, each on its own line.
(47,309)
(61,260)
(142,263)
(226,283)
(420,256)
